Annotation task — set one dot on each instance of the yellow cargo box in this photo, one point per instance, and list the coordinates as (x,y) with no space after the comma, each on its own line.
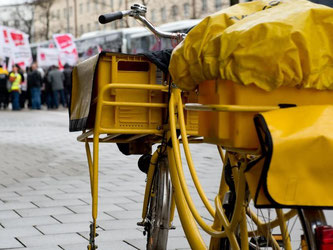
(236,129)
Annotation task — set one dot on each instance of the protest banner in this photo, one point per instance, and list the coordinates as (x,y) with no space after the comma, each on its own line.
(47,57)
(14,47)
(66,46)
(21,51)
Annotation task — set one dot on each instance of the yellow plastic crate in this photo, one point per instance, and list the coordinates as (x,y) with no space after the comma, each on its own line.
(114,68)
(236,129)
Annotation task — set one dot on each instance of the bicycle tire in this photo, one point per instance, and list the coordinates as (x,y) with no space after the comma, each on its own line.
(311,218)
(303,221)
(158,216)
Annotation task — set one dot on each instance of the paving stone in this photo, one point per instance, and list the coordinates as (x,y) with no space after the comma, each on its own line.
(8,214)
(116,235)
(52,240)
(16,205)
(83,195)
(125,214)
(112,200)
(59,203)
(9,242)
(117,245)
(130,206)
(137,198)
(41,192)
(101,208)
(82,217)
(43,211)
(28,221)
(4,194)
(19,231)
(63,228)
(44,248)
(28,198)
(118,224)
(138,243)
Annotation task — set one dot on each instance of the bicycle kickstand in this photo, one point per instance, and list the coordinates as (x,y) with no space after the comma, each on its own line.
(93,235)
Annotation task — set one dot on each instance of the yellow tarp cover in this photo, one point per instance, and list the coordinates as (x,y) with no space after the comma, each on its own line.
(297,169)
(266,43)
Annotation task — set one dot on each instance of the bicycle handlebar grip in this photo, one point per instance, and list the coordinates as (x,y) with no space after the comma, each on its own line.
(106,18)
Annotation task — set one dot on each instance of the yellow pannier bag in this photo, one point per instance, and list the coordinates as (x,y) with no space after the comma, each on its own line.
(265,43)
(296,167)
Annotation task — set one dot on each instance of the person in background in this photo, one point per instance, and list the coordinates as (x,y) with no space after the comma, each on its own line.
(56,78)
(4,98)
(35,83)
(16,79)
(48,90)
(67,82)
(24,87)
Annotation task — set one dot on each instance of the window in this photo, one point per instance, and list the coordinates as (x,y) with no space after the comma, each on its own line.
(218,4)
(58,14)
(174,11)
(120,3)
(186,9)
(81,8)
(204,5)
(88,27)
(88,6)
(70,11)
(163,14)
(81,29)
(111,4)
(5,23)
(96,26)
(153,15)
(65,13)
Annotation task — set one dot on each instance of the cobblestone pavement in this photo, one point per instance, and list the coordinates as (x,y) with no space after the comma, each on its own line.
(45,194)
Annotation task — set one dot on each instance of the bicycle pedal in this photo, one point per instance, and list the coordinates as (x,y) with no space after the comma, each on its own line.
(140,223)
(144,163)
(172,228)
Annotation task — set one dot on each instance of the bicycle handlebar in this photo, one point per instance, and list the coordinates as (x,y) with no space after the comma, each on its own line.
(106,18)
(138,12)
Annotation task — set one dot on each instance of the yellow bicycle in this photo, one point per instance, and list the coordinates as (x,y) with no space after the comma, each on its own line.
(130,107)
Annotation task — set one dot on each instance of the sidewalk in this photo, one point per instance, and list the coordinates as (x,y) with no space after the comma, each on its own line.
(45,193)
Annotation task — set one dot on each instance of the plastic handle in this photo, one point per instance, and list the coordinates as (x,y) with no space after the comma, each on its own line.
(106,18)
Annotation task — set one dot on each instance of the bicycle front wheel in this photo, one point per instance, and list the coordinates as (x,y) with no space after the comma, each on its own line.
(159,207)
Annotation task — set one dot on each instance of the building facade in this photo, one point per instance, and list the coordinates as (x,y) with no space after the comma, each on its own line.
(81,16)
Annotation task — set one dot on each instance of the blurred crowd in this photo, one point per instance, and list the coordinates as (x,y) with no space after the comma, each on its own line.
(34,87)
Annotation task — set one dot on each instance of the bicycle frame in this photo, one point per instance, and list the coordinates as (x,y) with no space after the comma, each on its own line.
(188,213)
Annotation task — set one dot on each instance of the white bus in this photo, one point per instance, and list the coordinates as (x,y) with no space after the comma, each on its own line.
(128,40)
